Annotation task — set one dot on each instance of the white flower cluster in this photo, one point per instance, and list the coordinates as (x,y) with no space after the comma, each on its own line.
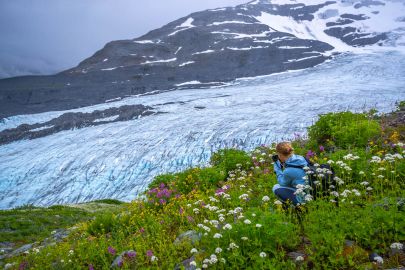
(212,260)
(338,180)
(217,235)
(232,246)
(392,157)
(262,254)
(375,159)
(343,165)
(244,196)
(265,199)
(227,226)
(398,246)
(379,259)
(350,157)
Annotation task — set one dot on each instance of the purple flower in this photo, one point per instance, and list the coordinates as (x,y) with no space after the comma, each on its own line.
(142,230)
(266,171)
(120,263)
(321,148)
(310,154)
(23,265)
(181,211)
(162,185)
(149,253)
(190,219)
(131,254)
(162,201)
(111,250)
(91,267)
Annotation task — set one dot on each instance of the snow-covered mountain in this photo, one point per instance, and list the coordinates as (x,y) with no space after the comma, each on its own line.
(164,101)
(214,47)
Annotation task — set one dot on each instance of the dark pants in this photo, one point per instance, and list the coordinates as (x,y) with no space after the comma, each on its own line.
(285,194)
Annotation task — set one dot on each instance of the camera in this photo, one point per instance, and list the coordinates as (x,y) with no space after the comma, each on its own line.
(274,158)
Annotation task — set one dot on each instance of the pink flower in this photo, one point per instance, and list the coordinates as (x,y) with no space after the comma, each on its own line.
(111,250)
(91,267)
(149,253)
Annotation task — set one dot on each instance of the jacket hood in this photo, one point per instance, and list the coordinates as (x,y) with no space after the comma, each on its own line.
(296,160)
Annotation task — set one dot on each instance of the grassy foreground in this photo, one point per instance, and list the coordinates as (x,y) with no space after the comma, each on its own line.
(233,219)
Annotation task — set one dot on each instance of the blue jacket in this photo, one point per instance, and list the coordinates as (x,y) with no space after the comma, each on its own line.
(291,177)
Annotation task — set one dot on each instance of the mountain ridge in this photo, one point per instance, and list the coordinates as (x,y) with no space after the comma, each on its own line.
(211,48)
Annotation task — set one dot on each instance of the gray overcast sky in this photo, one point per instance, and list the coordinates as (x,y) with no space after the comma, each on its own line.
(48,36)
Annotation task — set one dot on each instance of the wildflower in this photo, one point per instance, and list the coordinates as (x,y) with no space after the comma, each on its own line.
(310,154)
(253,214)
(218,250)
(299,259)
(378,259)
(365,183)
(193,250)
(244,196)
(244,238)
(247,221)
(142,230)
(222,219)
(265,198)
(153,258)
(330,161)
(217,235)
(258,225)
(70,252)
(375,159)
(369,188)
(335,193)
(380,176)
(149,253)
(233,246)
(262,254)
(196,210)
(228,226)
(91,267)
(223,260)
(277,202)
(356,192)
(132,254)
(213,259)
(398,246)
(205,265)
(111,250)
(193,263)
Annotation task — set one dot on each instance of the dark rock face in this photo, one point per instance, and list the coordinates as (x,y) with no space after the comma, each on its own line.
(74,120)
(208,48)
(350,36)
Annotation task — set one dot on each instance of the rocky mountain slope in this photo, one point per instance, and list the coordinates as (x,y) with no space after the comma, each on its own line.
(211,48)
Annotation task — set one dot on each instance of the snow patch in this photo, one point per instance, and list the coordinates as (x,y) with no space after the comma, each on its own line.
(106,119)
(207,51)
(228,22)
(144,41)
(186,63)
(159,61)
(188,83)
(41,128)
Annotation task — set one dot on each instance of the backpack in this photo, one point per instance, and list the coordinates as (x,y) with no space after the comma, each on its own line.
(321,178)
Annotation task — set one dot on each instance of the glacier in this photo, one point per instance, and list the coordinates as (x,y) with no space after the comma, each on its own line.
(118,160)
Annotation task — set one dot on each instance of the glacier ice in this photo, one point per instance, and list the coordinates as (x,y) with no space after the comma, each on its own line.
(118,160)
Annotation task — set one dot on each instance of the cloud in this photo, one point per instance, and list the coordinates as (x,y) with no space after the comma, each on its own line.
(48,36)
